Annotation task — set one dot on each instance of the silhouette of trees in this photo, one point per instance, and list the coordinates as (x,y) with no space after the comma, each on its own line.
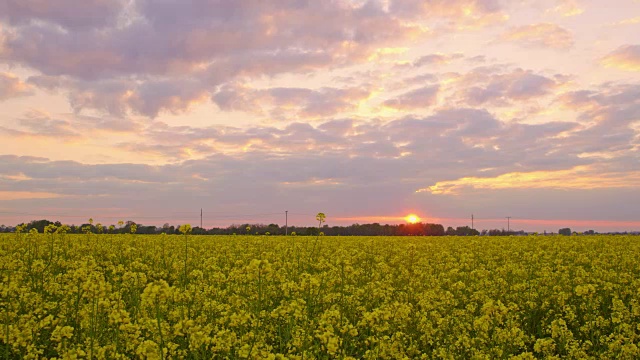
(374,229)
(565,231)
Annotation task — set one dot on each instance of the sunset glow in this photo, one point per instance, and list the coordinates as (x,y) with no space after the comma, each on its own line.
(359,109)
(412,219)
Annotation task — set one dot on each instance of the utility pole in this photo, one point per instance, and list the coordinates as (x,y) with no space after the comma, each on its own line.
(508,225)
(286,222)
(472,222)
(200,218)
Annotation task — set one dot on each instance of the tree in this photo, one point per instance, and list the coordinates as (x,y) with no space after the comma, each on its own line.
(434,230)
(466,231)
(565,231)
(450,231)
(39,225)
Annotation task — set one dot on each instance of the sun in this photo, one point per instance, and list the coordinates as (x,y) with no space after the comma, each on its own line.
(412,218)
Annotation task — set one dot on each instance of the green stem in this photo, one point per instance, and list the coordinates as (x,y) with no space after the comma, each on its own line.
(6,335)
(186,254)
(159,328)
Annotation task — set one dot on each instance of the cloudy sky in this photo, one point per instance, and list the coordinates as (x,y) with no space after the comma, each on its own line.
(366,110)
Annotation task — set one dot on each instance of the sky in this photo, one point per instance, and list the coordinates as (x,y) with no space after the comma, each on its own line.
(150,110)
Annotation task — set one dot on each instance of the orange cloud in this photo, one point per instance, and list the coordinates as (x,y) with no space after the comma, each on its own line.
(437,59)
(628,21)
(567,8)
(540,35)
(11,86)
(22,195)
(314,182)
(579,177)
(387,52)
(461,14)
(280,102)
(416,99)
(626,57)
(16,177)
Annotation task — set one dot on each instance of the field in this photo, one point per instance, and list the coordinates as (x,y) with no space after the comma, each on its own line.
(196,297)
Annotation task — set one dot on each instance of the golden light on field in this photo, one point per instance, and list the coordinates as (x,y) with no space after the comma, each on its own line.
(412,218)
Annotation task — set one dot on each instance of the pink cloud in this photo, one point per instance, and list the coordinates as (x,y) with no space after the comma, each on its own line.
(290,101)
(544,35)
(625,57)
(437,59)
(567,8)
(11,86)
(421,98)
(68,13)
(478,87)
(121,97)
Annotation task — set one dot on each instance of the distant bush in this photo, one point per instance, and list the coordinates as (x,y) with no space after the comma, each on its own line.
(565,231)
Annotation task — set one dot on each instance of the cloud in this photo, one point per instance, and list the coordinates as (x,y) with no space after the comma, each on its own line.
(49,83)
(567,8)
(579,177)
(609,114)
(420,80)
(67,13)
(148,98)
(36,123)
(545,35)
(109,54)
(437,59)
(439,140)
(479,87)
(40,124)
(416,99)
(173,38)
(626,57)
(11,86)
(290,101)
(460,151)
(628,21)
(122,97)
(478,59)
(237,98)
(462,14)
(579,100)
(172,96)
(22,195)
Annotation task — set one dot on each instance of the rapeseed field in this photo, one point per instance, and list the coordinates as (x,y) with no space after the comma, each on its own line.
(261,297)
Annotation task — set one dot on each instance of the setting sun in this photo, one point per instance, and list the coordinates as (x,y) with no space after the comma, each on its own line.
(412,218)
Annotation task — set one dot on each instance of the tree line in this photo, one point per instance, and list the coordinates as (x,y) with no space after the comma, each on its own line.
(374,229)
